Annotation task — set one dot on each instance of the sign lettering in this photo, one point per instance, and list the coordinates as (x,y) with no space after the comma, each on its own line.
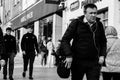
(27,16)
(74,5)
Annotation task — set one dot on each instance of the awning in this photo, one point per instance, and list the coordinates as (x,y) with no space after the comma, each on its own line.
(38,11)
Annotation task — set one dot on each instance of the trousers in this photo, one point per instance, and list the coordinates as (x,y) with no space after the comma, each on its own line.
(28,59)
(88,68)
(9,58)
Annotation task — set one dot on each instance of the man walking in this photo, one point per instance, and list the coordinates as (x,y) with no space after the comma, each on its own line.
(29,45)
(88,49)
(10,47)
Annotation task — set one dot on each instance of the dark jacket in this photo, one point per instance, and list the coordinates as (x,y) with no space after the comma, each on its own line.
(29,43)
(2,49)
(87,44)
(10,44)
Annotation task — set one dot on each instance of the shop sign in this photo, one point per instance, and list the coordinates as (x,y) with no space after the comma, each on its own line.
(52,1)
(75,5)
(34,13)
(27,17)
(88,1)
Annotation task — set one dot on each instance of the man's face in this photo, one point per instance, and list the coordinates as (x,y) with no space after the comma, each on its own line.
(91,14)
(8,32)
(30,30)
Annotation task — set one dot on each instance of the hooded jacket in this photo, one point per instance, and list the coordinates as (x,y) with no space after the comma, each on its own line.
(87,43)
(112,60)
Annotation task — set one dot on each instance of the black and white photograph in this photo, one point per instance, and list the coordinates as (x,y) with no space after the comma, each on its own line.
(59,39)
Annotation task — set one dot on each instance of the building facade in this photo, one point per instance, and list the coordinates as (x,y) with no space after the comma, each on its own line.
(45,18)
(52,19)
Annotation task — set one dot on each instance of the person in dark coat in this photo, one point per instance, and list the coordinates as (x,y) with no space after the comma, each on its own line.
(2,49)
(29,47)
(10,47)
(86,53)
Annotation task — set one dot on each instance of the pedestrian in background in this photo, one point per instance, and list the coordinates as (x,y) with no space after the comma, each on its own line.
(111,69)
(56,54)
(10,47)
(44,51)
(88,48)
(29,47)
(50,47)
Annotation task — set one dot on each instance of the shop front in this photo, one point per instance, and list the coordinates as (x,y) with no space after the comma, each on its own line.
(40,17)
(40,10)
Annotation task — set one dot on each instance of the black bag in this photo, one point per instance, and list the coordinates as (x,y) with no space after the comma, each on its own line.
(43,48)
(60,51)
(53,53)
(62,71)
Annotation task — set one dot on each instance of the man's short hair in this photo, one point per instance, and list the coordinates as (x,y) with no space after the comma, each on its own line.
(90,5)
(29,27)
(8,28)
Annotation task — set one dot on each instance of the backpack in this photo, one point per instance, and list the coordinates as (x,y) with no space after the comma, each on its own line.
(60,51)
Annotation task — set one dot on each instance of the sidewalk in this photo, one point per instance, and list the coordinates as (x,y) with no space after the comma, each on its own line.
(39,72)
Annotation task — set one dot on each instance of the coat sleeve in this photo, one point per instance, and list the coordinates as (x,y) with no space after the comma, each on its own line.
(2,45)
(15,46)
(103,41)
(36,45)
(67,37)
(23,43)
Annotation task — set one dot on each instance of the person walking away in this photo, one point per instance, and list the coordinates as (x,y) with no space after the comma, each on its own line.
(85,54)
(111,69)
(44,51)
(50,47)
(29,45)
(10,47)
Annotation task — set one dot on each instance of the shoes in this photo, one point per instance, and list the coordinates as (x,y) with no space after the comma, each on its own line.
(30,77)
(23,74)
(4,77)
(11,78)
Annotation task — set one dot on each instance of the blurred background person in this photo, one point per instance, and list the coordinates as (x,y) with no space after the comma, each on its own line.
(50,47)
(43,51)
(111,68)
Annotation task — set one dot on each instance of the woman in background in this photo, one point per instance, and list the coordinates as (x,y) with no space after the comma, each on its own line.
(111,69)
(50,47)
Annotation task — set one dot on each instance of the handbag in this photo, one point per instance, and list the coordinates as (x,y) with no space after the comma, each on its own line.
(62,71)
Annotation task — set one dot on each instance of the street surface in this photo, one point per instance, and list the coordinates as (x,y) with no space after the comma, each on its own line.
(40,73)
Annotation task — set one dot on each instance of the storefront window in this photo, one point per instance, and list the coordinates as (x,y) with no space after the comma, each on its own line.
(46,27)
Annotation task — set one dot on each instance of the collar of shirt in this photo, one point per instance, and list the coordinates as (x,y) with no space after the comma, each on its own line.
(86,21)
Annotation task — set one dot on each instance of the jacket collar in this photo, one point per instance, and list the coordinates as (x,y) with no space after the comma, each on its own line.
(111,36)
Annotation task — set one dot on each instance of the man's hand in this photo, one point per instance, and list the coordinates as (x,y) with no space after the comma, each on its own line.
(68,62)
(23,52)
(101,59)
(2,62)
(37,54)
